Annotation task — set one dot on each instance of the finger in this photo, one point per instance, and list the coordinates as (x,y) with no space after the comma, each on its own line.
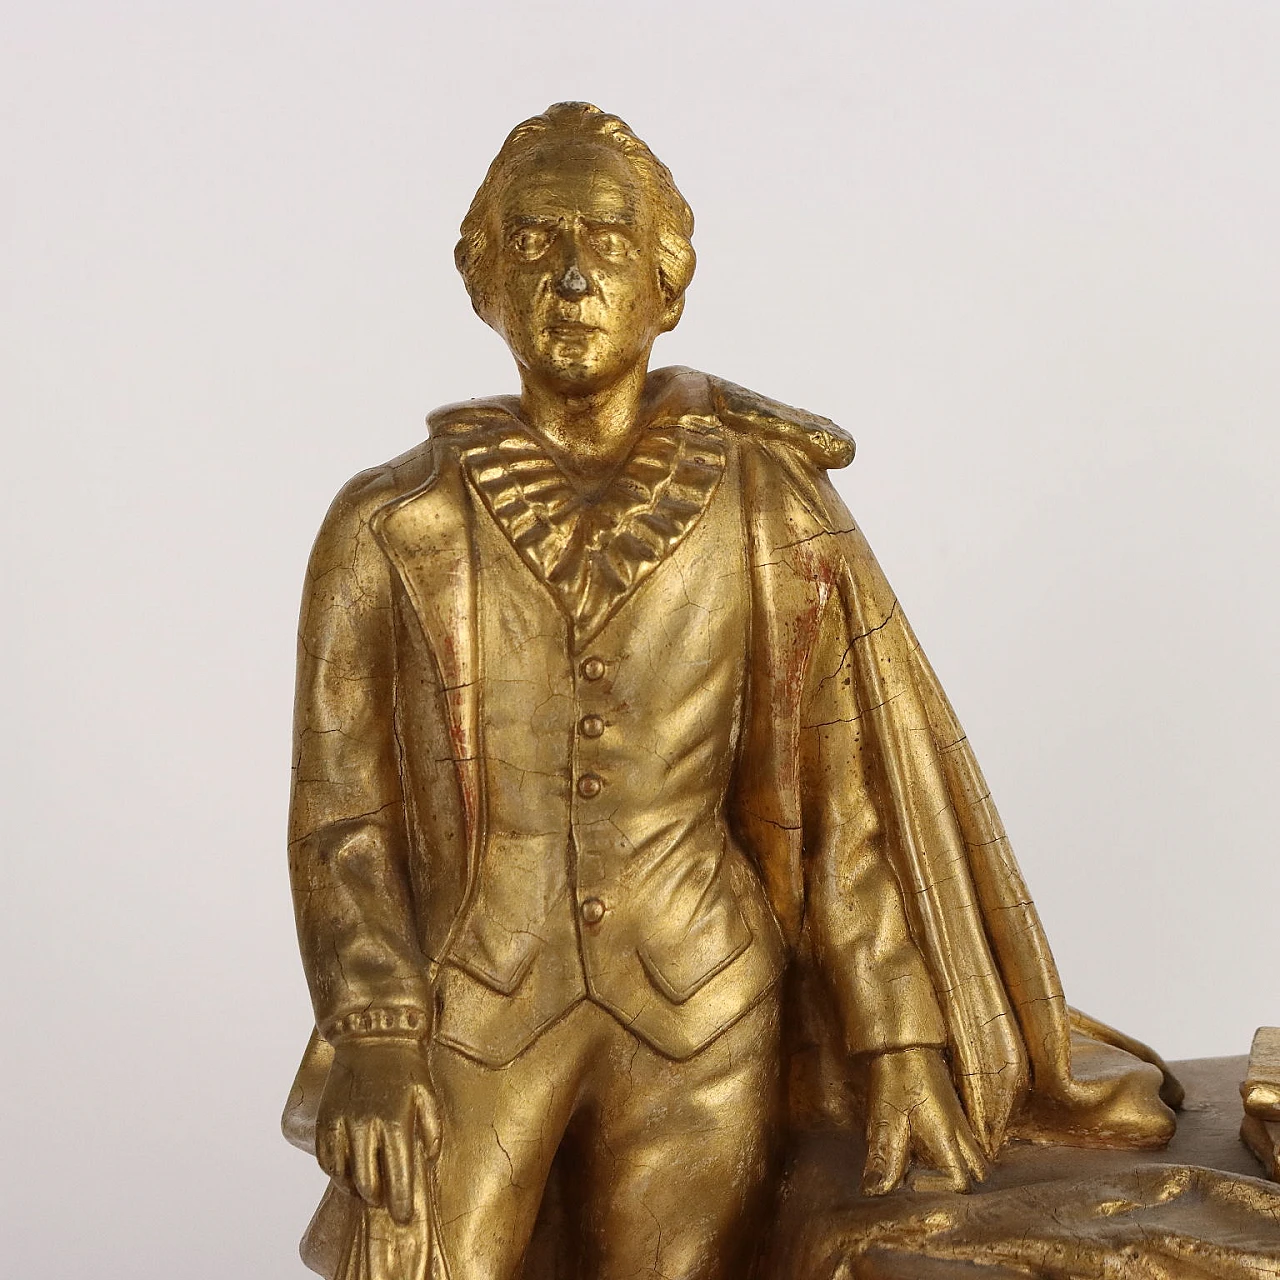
(397,1166)
(972,1153)
(887,1150)
(426,1116)
(333,1151)
(938,1144)
(957,1175)
(944,1153)
(364,1162)
(948,1142)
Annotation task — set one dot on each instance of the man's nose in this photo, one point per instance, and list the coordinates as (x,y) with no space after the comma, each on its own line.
(571,284)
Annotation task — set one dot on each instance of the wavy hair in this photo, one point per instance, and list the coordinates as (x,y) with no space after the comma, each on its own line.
(579,121)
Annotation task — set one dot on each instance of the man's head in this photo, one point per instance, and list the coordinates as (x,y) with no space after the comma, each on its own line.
(576,247)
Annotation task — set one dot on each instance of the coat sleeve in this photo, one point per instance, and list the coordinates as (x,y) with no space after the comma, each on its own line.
(854,911)
(347,833)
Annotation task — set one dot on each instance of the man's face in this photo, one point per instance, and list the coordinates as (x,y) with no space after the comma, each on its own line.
(576,289)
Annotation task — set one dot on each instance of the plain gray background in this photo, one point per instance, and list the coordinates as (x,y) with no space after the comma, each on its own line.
(1026,252)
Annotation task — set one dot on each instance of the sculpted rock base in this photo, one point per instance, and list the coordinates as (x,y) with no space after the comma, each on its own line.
(1194,1210)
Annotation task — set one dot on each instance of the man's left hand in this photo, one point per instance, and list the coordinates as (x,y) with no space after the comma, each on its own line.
(912,1110)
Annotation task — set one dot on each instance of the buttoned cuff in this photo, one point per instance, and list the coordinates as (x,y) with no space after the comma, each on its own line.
(378,1022)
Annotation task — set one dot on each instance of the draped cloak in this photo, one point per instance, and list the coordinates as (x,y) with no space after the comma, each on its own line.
(1024,1064)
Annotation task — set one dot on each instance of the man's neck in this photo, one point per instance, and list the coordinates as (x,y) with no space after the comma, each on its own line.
(590,436)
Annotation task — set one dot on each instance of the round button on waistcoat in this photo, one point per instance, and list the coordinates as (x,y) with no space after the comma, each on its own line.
(593,910)
(592,668)
(589,785)
(591,726)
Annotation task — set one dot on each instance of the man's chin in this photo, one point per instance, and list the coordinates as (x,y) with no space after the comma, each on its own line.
(577,375)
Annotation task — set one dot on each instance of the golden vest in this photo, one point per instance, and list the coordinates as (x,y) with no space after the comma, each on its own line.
(613,656)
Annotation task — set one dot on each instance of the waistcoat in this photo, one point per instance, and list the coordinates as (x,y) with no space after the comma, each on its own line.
(613,642)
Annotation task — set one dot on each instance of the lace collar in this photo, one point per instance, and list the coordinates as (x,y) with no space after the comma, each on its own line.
(592,554)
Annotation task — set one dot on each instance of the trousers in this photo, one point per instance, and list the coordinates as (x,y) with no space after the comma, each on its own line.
(669,1163)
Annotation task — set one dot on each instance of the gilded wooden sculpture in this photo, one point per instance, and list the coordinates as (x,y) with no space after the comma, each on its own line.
(630,826)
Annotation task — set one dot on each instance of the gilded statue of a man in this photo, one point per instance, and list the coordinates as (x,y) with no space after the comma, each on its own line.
(629,820)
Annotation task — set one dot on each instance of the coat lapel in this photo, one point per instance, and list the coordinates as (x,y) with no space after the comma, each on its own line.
(427,537)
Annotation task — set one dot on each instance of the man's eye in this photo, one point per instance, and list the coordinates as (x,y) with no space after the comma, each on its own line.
(613,244)
(530,242)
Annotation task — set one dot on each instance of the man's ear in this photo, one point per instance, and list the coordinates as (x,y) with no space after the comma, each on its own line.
(671,316)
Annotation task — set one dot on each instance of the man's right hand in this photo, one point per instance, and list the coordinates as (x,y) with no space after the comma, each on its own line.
(377,1107)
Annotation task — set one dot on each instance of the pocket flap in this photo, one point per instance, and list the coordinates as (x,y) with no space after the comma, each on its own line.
(494,954)
(681,961)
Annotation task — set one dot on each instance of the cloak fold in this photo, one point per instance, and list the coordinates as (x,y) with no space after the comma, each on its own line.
(1019,1068)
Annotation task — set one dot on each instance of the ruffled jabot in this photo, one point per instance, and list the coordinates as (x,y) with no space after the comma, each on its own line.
(592,554)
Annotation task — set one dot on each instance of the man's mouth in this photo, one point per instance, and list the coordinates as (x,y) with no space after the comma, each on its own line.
(570,329)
